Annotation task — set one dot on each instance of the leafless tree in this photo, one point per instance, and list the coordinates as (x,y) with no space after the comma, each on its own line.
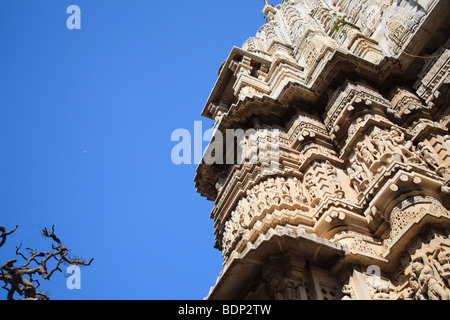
(4,234)
(24,279)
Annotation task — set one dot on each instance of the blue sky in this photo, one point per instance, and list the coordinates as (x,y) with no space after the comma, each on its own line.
(86,118)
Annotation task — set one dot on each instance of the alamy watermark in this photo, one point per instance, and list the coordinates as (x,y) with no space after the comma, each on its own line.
(234,146)
(374,280)
(74,277)
(74,20)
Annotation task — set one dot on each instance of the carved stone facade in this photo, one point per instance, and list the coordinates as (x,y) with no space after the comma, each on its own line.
(358,207)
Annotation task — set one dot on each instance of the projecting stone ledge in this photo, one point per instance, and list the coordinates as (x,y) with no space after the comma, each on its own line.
(280,256)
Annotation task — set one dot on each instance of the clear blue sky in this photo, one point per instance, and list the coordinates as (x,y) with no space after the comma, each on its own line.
(86,118)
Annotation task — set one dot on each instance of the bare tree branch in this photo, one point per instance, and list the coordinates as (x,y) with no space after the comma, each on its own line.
(15,277)
(4,234)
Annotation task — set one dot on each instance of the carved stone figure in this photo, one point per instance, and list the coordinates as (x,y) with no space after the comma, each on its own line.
(332,175)
(360,176)
(441,260)
(382,292)
(273,194)
(379,143)
(364,154)
(428,155)
(354,179)
(425,282)
(406,294)
(406,148)
(388,139)
(244,206)
(311,186)
(282,185)
(429,284)
(295,190)
(416,269)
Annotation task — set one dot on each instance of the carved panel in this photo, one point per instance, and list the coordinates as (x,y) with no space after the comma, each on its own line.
(428,274)
(279,193)
(410,210)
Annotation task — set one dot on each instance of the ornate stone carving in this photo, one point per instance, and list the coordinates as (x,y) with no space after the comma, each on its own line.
(441,261)
(425,280)
(272,194)
(428,155)
(364,154)
(377,150)
(409,210)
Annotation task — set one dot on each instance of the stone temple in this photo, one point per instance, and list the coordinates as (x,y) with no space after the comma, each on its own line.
(347,104)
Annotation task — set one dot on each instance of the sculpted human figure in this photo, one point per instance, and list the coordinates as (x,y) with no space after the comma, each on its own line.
(295,189)
(284,190)
(251,198)
(428,155)
(332,175)
(244,206)
(227,234)
(416,269)
(388,139)
(441,261)
(431,285)
(282,186)
(397,136)
(273,191)
(424,282)
(272,196)
(259,201)
(267,201)
(364,155)
(360,174)
(310,185)
(377,141)
(354,180)
(406,147)
(298,184)
(294,193)
(238,223)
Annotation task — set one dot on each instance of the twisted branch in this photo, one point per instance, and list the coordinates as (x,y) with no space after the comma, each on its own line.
(4,234)
(15,276)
